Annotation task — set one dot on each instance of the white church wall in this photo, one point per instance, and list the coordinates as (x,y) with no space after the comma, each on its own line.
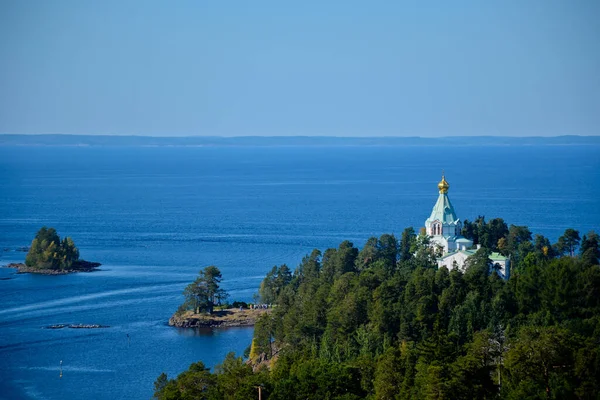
(503,269)
(449,261)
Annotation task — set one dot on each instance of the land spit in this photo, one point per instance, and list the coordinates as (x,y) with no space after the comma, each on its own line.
(221,318)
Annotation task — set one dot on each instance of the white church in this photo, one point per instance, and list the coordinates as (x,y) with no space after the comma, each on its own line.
(444,228)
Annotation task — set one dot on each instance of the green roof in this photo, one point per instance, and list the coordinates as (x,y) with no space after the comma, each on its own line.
(443,211)
(497,257)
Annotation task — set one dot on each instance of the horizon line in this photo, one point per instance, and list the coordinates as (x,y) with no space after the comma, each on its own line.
(295,136)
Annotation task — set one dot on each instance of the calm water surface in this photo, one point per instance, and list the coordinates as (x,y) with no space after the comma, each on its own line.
(155,216)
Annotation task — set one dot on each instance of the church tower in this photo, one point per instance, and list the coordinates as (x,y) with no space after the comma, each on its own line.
(442,225)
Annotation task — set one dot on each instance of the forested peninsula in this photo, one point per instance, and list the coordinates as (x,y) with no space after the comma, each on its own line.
(49,255)
(206,306)
(384,322)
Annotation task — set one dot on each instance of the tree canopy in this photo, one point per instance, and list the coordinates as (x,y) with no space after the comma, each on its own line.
(383,322)
(204,293)
(48,251)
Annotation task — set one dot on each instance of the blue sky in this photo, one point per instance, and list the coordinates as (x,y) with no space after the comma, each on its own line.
(340,68)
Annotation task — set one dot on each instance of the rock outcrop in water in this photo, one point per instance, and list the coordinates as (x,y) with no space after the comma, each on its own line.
(80,266)
(231,317)
(76,326)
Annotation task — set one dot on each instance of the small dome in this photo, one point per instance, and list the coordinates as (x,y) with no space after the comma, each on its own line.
(443,186)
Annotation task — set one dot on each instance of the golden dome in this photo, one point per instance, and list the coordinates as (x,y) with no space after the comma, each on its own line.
(443,185)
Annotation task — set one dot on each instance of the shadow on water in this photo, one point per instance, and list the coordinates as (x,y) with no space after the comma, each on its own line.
(208,332)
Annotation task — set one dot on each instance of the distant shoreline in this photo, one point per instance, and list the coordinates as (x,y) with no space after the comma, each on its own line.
(66,140)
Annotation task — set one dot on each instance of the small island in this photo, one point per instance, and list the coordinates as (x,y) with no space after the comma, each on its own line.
(204,305)
(49,255)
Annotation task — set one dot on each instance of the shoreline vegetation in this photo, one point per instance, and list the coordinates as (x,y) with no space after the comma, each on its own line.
(205,305)
(384,322)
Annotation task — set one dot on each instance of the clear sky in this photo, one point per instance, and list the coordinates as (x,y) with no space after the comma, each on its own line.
(342,68)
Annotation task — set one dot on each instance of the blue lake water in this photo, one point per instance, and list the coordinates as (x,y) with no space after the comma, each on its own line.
(155,216)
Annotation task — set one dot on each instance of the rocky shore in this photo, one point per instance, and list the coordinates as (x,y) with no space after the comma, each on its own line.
(231,317)
(76,326)
(81,266)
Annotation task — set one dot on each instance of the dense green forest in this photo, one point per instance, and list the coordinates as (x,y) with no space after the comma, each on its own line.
(383,322)
(48,251)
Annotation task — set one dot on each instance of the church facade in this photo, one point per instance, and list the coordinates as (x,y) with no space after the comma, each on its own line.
(442,226)
(444,230)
